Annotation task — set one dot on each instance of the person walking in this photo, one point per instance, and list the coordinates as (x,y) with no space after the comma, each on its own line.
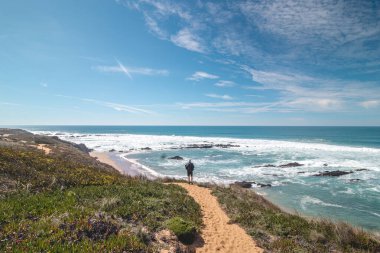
(190,168)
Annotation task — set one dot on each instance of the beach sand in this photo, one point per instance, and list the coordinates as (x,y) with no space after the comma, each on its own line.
(218,234)
(124,166)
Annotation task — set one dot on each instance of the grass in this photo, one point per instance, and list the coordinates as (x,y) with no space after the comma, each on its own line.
(277,231)
(183,229)
(52,203)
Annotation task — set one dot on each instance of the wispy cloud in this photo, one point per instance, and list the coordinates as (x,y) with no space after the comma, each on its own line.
(370,104)
(8,103)
(43,84)
(199,75)
(224,97)
(312,92)
(115,106)
(118,107)
(128,71)
(224,83)
(186,39)
(270,32)
(238,107)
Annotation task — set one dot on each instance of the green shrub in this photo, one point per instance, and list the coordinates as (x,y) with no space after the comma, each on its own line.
(184,230)
(278,231)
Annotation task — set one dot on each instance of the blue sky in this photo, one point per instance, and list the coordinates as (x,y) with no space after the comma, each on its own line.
(145,62)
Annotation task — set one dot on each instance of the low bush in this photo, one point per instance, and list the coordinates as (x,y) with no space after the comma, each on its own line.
(183,229)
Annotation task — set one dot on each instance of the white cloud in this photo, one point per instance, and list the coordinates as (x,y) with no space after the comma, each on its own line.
(115,106)
(7,103)
(199,75)
(224,83)
(154,27)
(370,104)
(310,93)
(224,97)
(187,39)
(270,32)
(43,84)
(128,71)
(316,104)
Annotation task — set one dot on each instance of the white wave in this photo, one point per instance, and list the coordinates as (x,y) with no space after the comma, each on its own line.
(306,200)
(161,142)
(146,168)
(348,190)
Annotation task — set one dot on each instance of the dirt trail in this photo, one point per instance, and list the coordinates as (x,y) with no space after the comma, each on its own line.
(218,234)
(44,148)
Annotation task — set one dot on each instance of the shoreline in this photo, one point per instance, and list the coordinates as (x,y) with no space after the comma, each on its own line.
(132,168)
(124,166)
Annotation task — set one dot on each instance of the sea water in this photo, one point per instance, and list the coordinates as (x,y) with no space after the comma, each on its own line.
(353,198)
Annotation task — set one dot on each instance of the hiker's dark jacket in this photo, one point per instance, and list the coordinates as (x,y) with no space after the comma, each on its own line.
(189,167)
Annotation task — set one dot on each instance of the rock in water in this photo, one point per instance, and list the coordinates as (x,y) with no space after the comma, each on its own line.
(177,157)
(288,165)
(264,185)
(243,184)
(335,173)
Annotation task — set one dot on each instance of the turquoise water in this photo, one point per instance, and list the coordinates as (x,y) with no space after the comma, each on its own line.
(354,198)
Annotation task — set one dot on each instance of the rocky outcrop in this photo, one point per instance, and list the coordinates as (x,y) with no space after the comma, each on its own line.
(199,146)
(335,173)
(146,148)
(226,146)
(82,148)
(245,184)
(177,157)
(288,165)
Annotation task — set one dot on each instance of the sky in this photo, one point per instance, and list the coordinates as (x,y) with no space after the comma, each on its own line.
(171,62)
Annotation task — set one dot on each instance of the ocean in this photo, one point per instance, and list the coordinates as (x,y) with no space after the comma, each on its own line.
(256,154)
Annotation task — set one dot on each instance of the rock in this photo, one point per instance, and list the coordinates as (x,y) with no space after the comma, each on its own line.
(265,166)
(176,157)
(325,164)
(243,184)
(199,146)
(226,146)
(335,173)
(354,180)
(288,165)
(264,185)
(112,150)
(146,148)
(82,147)
(274,175)
(362,170)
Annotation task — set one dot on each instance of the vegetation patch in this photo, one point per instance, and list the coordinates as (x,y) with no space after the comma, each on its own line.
(277,231)
(68,202)
(183,229)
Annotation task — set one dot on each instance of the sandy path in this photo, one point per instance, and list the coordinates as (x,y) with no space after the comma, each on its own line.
(44,148)
(218,235)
